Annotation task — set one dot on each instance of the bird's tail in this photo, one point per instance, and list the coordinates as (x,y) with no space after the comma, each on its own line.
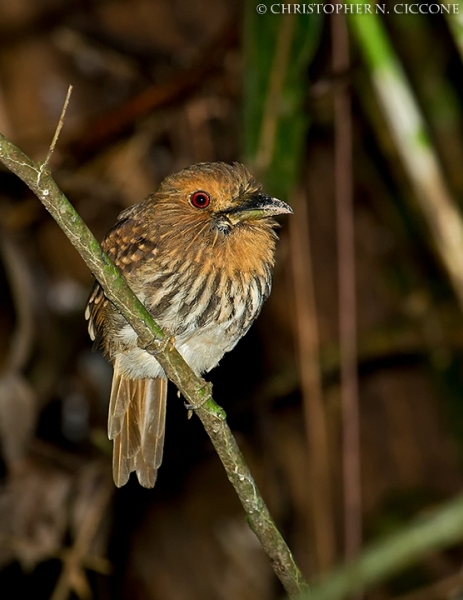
(136,424)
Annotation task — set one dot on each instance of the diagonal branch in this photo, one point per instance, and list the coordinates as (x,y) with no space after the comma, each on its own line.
(151,337)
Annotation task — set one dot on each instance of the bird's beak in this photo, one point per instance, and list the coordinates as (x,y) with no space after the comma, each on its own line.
(259,206)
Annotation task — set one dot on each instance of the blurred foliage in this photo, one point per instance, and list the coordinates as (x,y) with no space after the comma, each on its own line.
(283,107)
(176,83)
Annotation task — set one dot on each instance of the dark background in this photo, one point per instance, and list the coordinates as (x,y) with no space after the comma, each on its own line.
(158,86)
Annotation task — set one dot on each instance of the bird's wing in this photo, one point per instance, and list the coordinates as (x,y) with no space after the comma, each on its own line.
(128,245)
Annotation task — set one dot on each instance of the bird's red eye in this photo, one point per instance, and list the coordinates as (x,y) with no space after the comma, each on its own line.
(200,199)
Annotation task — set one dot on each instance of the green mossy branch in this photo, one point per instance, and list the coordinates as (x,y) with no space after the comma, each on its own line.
(195,389)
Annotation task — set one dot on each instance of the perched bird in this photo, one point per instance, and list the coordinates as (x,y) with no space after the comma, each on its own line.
(199,254)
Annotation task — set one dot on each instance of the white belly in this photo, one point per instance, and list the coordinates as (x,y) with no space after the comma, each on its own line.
(202,350)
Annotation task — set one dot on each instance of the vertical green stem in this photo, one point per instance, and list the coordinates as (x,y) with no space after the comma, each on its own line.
(409,132)
(455,21)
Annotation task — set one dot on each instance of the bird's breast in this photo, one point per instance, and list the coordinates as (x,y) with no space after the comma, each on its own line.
(184,300)
(210,325)
(207,297)
(207,319)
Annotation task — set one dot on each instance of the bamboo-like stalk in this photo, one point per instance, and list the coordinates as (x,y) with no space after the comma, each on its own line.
(455,22)
(387,557)
(346,293)
(414,146)
(307,339)
(271,110)
(151,337)
(277,53)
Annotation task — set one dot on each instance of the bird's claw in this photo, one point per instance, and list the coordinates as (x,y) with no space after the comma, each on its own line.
(158,346)
(207,388)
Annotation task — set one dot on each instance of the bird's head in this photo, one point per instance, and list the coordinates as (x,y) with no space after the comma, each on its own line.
(218,195)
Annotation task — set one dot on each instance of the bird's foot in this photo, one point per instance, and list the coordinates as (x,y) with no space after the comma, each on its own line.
(206,389)
(158,346)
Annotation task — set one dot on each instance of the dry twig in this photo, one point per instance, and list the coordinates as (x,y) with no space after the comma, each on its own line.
(310,377)
(77,558)
(346,293)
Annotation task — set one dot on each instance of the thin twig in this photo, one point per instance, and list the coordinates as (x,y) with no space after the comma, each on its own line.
(75,559)
(151,337)
(58,127)
(90,562)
